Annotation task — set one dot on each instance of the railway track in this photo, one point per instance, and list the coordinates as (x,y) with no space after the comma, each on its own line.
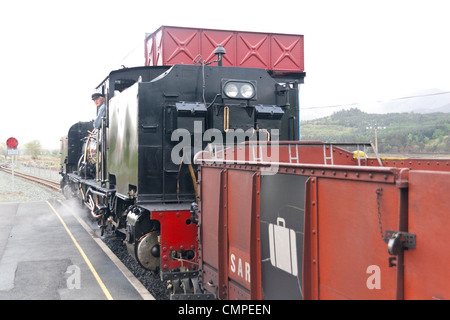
(44,182)
(153,284)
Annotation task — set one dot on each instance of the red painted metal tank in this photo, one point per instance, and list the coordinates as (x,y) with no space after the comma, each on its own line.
(279,53)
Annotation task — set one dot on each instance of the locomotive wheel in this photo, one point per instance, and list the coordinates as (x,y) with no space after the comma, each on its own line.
(67,191)
(147,251)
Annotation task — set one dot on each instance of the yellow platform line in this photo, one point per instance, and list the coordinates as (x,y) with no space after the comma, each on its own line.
(127,273)
(86,259)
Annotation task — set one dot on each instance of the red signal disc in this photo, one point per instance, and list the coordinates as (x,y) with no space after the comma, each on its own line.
(12,143)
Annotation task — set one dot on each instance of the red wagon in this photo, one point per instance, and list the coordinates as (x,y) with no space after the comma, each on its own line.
(323,223)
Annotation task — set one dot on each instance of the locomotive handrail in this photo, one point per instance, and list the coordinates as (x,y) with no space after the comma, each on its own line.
(358,155)
(200,160)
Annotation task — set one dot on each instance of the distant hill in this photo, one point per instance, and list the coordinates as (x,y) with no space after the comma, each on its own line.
(444,108)
(425,101)
(399,132)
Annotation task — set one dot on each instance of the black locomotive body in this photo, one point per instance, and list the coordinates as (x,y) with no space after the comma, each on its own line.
(136,173)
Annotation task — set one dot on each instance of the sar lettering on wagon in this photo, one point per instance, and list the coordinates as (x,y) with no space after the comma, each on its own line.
(239,265)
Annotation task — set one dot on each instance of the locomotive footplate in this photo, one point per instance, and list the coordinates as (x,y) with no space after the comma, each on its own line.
(91,183)
(90,186)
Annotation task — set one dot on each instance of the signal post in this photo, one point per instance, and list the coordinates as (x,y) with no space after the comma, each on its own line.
(12,144)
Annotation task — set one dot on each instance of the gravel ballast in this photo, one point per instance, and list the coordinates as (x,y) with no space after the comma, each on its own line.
(23,190)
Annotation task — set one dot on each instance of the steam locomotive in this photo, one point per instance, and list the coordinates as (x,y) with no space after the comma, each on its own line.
(136,173)
(199,166)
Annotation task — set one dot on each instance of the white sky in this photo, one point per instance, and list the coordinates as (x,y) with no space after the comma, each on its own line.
(54,53)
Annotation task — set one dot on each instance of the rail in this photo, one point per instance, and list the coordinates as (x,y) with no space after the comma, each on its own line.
(44,182)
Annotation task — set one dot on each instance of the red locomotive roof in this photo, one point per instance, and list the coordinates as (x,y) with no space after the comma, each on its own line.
(280,53)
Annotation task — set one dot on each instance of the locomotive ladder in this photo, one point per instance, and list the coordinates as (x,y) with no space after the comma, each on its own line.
(325,157)
(291,157)
(364,156)
(255,153)
(359,147)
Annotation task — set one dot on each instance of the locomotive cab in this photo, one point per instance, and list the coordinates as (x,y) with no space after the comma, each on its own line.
(136,173)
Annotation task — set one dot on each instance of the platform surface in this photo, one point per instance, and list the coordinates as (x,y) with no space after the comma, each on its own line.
(48,253)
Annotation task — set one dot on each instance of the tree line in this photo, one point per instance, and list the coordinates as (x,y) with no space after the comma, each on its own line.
(394,132)
(33,149)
